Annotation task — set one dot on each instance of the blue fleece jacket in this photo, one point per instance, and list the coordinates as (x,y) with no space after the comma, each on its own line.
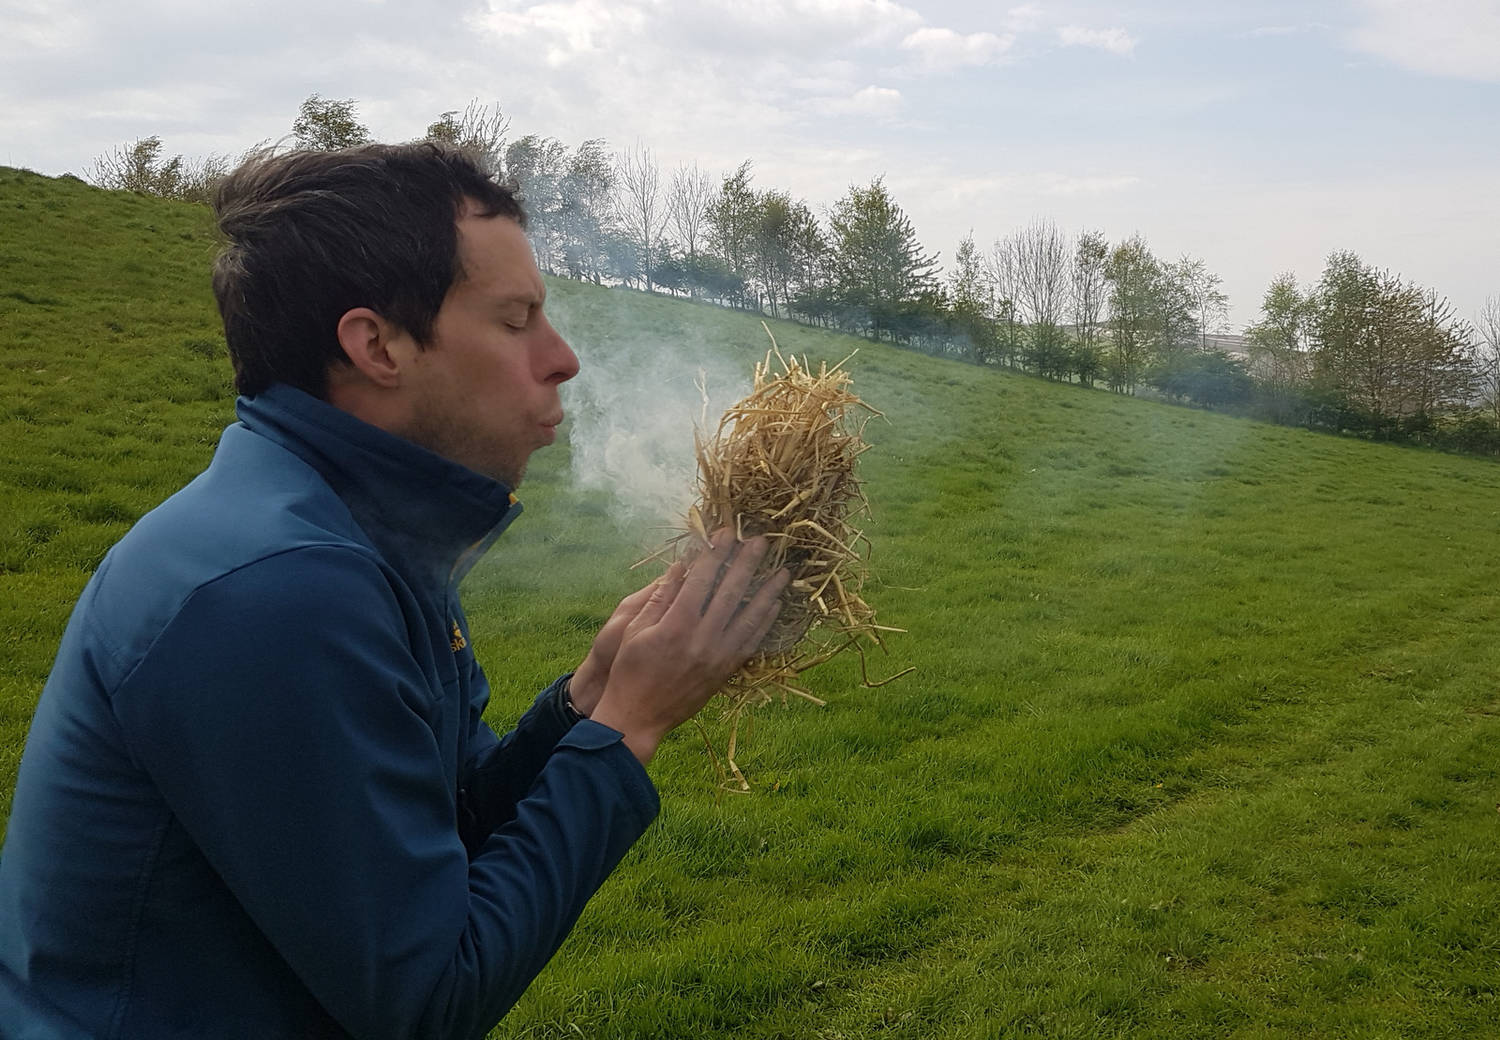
(258,799)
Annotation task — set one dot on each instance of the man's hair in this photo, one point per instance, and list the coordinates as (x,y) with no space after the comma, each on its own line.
(311,235)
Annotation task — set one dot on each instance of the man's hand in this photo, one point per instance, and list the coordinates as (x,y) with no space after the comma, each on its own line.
(587,684)
(694,630)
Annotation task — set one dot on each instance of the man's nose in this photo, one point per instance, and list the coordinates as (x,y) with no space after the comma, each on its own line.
(562,363)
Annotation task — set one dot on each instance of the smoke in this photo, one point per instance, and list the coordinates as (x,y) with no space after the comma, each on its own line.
(634,407)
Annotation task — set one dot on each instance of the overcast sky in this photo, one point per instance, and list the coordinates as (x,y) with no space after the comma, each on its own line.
(1259,136)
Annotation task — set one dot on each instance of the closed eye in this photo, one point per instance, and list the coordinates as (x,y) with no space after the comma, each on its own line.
(519,319)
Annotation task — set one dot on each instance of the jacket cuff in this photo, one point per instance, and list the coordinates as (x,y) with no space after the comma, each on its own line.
(594,738)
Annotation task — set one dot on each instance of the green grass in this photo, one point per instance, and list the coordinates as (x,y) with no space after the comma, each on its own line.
(1202,740)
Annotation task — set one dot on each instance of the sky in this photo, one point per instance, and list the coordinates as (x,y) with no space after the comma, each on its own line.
(1257,136)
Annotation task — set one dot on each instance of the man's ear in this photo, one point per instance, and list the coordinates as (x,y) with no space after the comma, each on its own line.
(373,346)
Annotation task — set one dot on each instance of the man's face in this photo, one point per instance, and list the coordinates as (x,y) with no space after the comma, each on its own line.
(485,388)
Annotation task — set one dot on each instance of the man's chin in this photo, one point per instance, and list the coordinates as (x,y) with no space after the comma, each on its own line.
(510,475)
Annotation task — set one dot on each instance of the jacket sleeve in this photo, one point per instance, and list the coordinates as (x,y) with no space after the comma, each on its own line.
(501,771)
(284,719)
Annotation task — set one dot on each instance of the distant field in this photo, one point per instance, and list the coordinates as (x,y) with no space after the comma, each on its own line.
(1204,738)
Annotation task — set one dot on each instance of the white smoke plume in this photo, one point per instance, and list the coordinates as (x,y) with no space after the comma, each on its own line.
(634,408)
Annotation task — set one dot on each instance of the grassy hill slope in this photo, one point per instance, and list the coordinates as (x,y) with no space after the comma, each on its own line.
(1202,740)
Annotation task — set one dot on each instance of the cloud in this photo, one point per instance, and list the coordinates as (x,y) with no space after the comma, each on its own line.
(867,21)
(1055,184)
(1115,41)
(1264,32)
(1452,38)
(872,101)
(206,78)
(716,73)
(945,49)
(1024,19)
(816,29)
(566,30)
(34,25)
(1032,188)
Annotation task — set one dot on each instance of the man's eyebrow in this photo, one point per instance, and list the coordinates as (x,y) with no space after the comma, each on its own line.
(521,297)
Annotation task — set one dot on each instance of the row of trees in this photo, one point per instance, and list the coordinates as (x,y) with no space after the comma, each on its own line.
(1082,309)
(1066,310)
(1360,350)
(1364,349)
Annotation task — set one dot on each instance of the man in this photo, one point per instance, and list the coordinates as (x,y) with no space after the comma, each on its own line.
(258,799)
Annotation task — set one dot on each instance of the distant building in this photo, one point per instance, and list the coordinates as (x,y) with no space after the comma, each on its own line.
(1235,346)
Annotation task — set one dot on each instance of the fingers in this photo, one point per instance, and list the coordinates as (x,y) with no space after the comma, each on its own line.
(659,597)
(591,674)
(755,618)
(707,611)
(708,569)
(696,627)
(716,585)
(632,604)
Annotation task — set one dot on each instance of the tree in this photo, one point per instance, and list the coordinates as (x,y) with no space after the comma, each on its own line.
(1042,258)
(479,132)
(1391,350)
(618,256)
(1210,378)
(671,269)
(786,247)
(711,277)
(1090,296)
(809,270)
(1000,272)
(140,167)
(641,204)
(1487,357)
(537,165)
(1134,275)
(731,223)
(1351,355)
(878,264)
(1278,343)
(1441,372)
(771,248)
(590,238)
(688,201)
(1200,287)
(569,201)
(326,125)
(1175,302)
(971,297)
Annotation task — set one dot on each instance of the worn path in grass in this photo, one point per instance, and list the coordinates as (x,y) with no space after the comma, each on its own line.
(1202,740)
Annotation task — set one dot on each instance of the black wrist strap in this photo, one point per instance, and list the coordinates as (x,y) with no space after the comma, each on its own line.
(572,713)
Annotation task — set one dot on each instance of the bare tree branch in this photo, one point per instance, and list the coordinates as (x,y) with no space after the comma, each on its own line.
(641,205)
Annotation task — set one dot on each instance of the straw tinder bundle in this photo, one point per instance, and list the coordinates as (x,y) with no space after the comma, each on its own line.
(782,464)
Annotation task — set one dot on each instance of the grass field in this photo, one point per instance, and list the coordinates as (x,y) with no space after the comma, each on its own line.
(1202,741)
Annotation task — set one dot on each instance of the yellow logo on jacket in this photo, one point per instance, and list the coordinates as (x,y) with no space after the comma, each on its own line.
(458,642)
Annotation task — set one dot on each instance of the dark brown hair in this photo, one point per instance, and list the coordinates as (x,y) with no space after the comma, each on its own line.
(311,235)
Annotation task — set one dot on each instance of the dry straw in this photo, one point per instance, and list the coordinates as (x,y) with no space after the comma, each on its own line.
(782,464)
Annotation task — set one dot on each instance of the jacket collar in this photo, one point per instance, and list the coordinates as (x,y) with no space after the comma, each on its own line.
(429,514)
